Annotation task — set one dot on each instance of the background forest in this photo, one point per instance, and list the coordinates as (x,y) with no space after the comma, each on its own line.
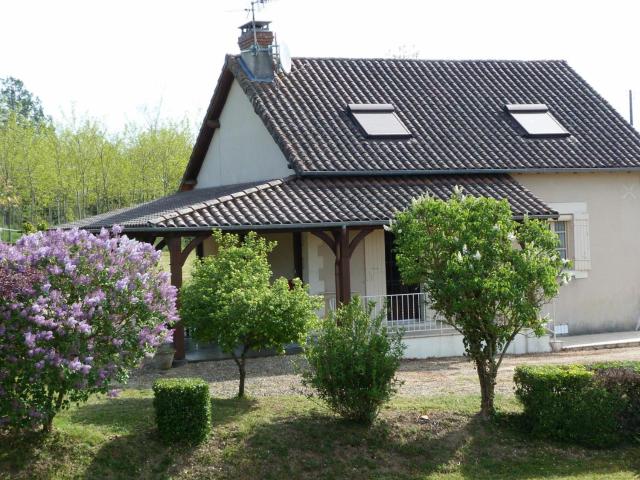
(56,172)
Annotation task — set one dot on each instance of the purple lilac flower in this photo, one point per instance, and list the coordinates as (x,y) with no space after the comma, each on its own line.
(75,365)
(113,393)
(29,339)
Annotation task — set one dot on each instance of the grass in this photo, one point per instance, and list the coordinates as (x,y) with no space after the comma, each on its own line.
(293,437)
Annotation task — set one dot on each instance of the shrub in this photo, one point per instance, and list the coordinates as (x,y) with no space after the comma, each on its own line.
(624,383)
(596,405)
(627,365)
(183,409)
(353,361)
(77,312)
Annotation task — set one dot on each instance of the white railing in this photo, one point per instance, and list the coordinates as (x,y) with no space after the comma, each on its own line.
(407,311)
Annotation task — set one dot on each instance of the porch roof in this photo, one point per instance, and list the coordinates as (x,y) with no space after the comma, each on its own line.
(302,202)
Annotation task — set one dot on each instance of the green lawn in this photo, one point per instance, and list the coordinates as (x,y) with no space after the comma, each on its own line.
(292,437)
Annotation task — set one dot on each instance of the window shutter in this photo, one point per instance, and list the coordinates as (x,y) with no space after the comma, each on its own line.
(582,254)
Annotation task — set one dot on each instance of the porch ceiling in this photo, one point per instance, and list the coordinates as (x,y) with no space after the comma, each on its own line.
(299,202)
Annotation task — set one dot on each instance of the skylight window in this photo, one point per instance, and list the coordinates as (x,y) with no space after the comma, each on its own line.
(379,120)
(536,120)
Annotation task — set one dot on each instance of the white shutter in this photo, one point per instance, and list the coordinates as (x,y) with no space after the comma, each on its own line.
(581,252)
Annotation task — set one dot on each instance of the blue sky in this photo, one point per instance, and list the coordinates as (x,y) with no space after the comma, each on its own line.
(123,60)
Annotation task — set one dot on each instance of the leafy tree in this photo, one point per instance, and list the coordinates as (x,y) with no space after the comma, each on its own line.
(232,302)
(7,194)
(15,98)
(77,312)
(353,361)
(71,170)
(485,273)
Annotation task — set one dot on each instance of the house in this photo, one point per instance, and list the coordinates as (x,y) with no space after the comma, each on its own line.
(321,157)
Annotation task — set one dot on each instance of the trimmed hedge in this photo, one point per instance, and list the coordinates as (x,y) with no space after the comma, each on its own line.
(183,409)
(594,405)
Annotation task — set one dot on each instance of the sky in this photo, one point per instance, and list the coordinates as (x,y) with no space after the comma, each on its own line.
(129,60)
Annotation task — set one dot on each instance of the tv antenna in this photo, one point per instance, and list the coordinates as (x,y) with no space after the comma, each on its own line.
(252,11)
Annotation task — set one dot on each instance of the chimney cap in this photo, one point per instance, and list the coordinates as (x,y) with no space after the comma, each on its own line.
(259,25)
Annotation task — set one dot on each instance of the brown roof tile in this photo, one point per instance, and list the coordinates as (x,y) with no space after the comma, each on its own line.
(298,202)
(454,110)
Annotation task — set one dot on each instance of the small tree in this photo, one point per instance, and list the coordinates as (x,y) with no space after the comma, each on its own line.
(77,312)
(485,273)
(231,301)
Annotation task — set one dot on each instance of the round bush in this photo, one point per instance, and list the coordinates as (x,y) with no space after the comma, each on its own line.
(353,362)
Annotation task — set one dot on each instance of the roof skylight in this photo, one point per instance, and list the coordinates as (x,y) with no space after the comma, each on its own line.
(536,120)
(379,120)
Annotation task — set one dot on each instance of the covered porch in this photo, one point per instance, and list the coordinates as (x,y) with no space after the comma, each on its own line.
(329,232)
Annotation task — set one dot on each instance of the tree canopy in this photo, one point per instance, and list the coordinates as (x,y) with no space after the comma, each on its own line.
(63,171)
(15,98)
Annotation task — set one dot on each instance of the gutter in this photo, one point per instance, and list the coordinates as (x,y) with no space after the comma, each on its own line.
(403,173)
(278,227)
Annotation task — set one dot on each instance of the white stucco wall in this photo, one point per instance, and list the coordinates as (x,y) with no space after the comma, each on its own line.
(242,149)
(608,299)
(281,258)
(209,247)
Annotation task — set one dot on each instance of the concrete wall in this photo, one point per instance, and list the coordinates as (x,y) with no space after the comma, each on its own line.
(242,149)
(608,297)
(450,345)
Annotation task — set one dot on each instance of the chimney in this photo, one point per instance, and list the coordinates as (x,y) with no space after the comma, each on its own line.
(255,42)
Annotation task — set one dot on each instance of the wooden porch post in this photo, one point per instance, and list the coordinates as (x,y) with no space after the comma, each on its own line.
(176,262)
(342,248)
(177,257)
(344,266)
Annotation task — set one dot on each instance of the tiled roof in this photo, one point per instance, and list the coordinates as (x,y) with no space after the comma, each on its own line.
(304,202)
(140,215)
(454,109)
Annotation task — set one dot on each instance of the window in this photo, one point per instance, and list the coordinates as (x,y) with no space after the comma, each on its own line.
(572,228)
(536,120)
(562,230)
(379,120)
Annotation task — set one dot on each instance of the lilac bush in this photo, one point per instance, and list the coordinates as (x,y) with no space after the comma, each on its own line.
(77,312)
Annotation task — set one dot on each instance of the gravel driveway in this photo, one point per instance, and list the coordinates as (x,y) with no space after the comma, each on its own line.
(277,375)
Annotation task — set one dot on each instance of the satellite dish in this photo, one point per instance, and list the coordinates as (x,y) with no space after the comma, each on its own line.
(284,58)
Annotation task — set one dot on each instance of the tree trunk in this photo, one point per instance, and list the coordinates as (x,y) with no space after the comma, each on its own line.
(47,426)
(241,362)
(487,377)
(243,374)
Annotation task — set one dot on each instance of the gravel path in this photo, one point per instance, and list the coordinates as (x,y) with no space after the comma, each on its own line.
(277,375)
